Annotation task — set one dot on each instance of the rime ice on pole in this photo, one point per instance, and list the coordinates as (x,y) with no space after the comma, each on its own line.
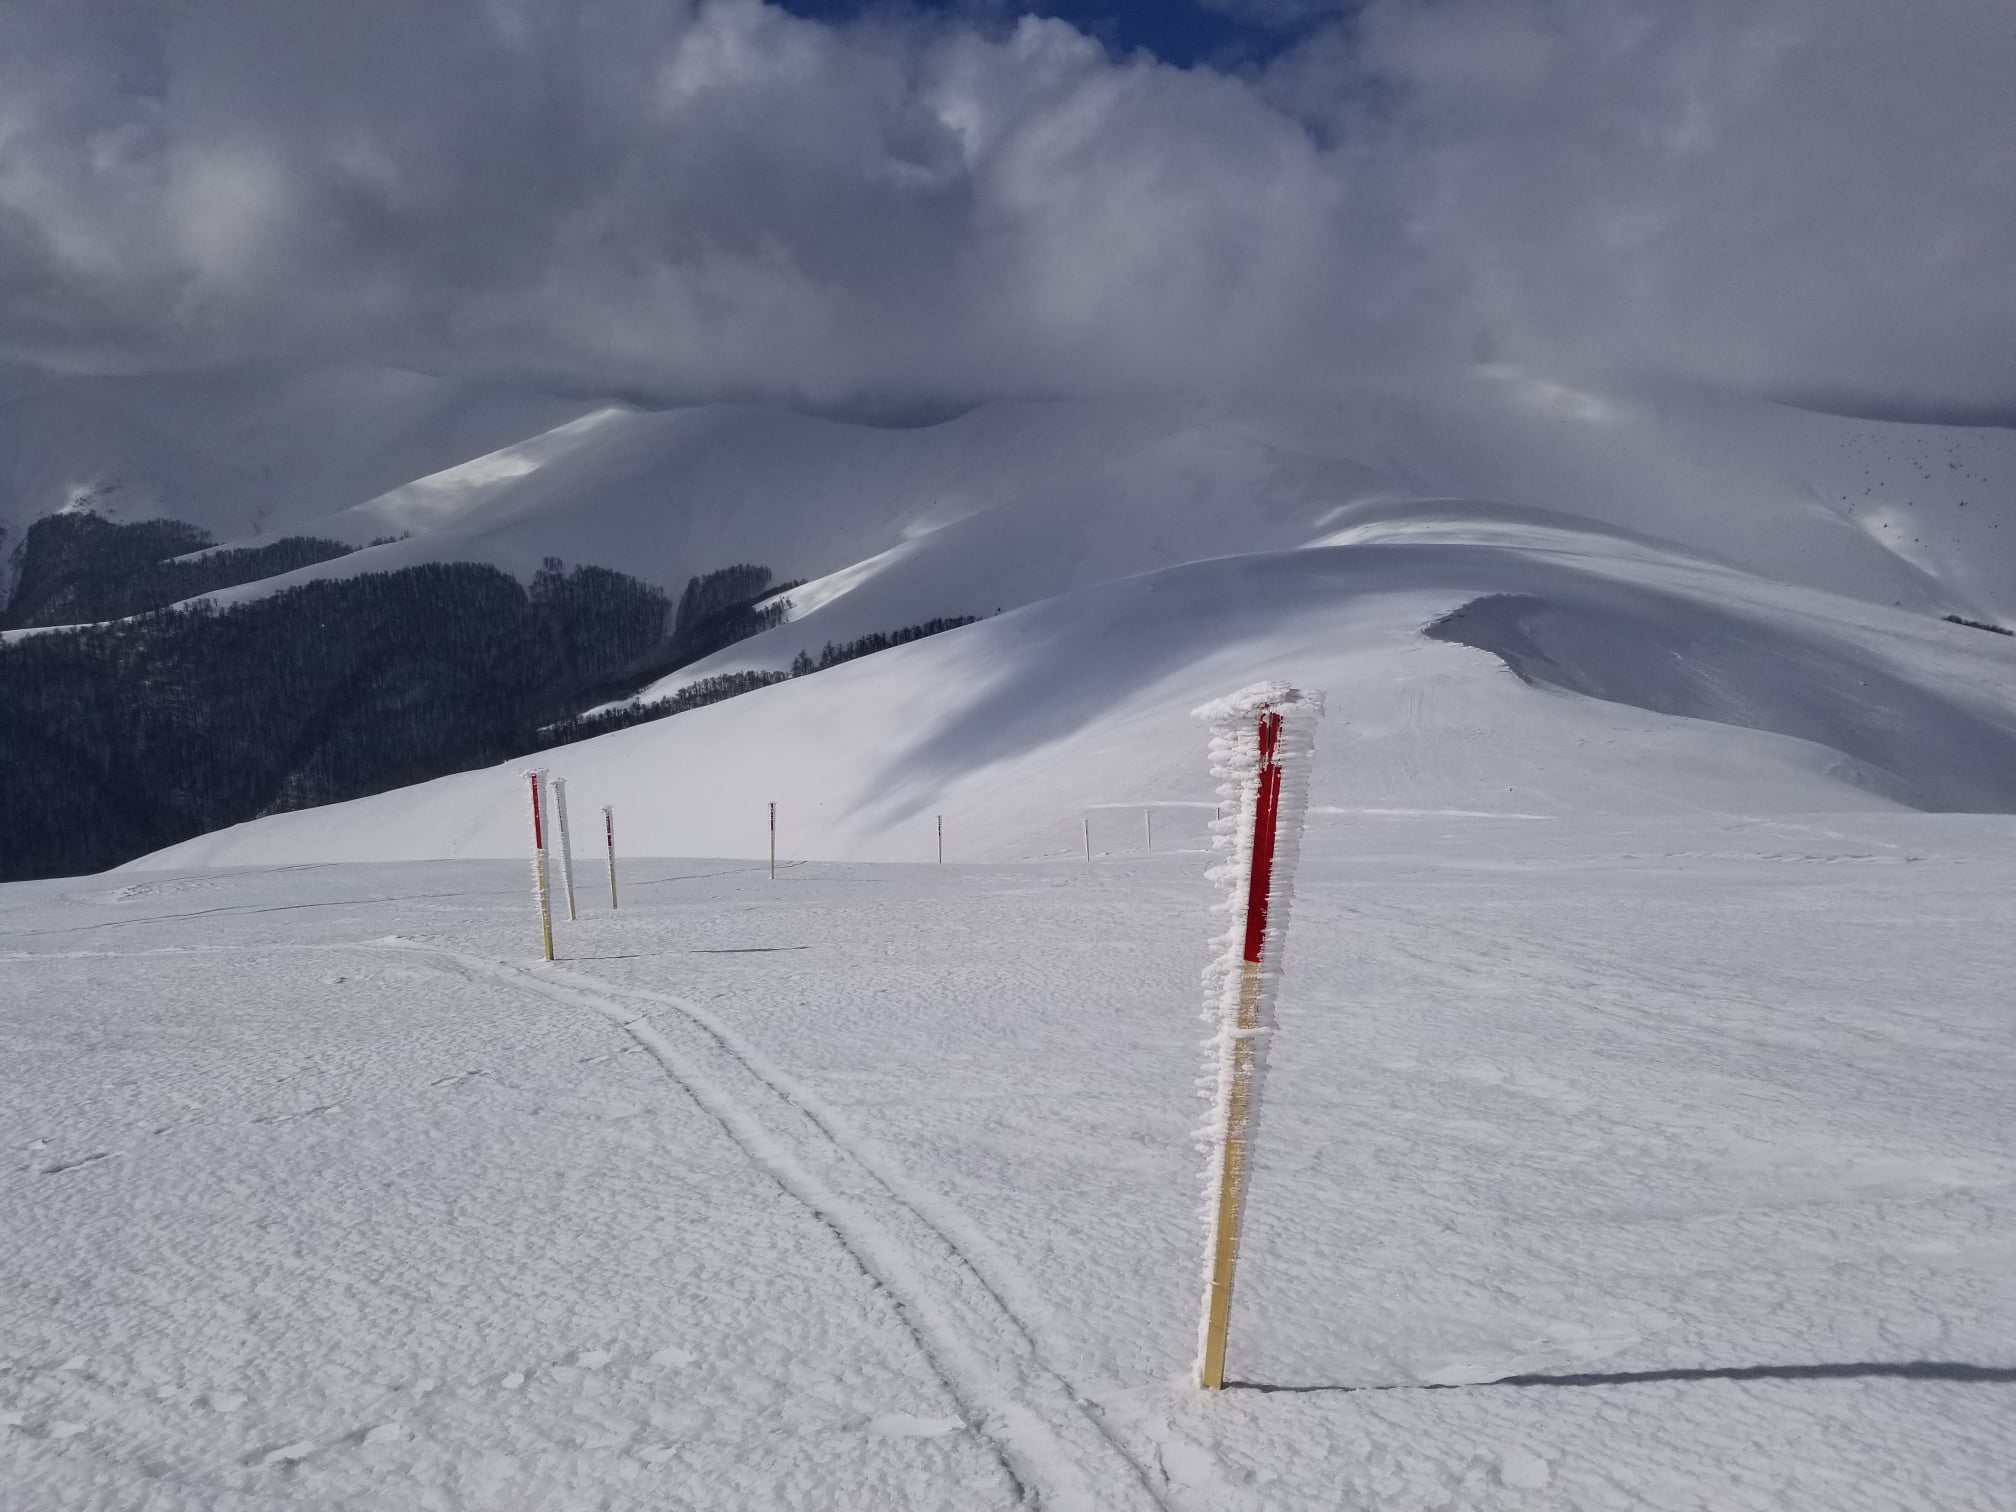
(566,844)
(609,839)
(538,782)
(1262,741)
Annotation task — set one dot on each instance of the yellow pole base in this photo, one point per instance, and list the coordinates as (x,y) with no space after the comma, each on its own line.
(1231,1189)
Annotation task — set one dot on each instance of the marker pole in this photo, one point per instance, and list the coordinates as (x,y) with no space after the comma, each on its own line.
(566,845)
(773,842)
(1265,765)
(1148,826)
(941,839)
(609,836)
(1086,820)
(539,867)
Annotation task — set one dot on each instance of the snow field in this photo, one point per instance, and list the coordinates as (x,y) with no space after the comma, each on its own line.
(833,1191)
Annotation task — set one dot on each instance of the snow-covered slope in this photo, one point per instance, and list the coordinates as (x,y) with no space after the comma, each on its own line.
(1738,602)
(243,453)
(1011,503)
(850,1189)
(1642,1094)
(1015,502)
(1657,683)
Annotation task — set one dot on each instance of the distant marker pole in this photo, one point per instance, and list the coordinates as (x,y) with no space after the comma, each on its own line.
(941,839)
(609,838)
(773,842)
(566,846)
(1262,739)
(1086,820)
(539,867)
(1148,827)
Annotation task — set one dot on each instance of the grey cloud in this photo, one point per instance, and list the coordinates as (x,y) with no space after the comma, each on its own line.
(715,198)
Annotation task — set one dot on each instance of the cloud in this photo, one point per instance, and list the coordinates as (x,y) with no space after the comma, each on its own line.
(696,198)
(1287,15)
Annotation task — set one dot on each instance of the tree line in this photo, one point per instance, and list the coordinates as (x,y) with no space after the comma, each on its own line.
(78,567)
(726,685)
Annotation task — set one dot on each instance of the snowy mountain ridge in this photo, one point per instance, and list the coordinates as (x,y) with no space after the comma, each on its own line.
(1781,549)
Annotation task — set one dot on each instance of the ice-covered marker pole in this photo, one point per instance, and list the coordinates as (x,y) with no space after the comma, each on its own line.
(566,845)
(609,837)
(1262,738)
(773,842)
(539,865)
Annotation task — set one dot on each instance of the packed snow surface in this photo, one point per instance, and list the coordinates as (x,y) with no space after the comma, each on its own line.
(1665,1161)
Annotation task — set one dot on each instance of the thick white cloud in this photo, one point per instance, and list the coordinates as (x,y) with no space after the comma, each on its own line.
(716,198)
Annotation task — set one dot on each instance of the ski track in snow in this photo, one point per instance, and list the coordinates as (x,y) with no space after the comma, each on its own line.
(1050,1438)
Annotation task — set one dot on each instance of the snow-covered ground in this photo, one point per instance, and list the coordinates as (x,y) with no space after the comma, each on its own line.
(1664,1160)
(1639,1129)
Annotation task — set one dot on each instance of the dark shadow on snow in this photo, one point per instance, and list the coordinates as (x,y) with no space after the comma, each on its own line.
(1905,1370)
(1698,660)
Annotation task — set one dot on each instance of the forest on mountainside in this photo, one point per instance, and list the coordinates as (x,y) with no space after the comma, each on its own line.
(124,737)
(158,724)
(77,567)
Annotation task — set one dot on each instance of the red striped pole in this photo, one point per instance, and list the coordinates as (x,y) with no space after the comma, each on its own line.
(1239,1101)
